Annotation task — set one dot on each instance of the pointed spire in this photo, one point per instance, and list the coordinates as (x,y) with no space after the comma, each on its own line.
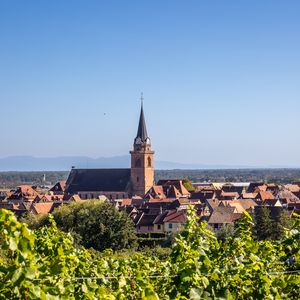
(142,130)
(142,99)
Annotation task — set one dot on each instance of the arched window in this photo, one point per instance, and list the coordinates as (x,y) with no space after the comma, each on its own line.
(138,163)
(149,161)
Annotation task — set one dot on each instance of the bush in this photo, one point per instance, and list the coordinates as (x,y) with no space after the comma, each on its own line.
(93,224)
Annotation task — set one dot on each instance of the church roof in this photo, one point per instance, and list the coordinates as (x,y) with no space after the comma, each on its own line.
(98,180)
(142,130)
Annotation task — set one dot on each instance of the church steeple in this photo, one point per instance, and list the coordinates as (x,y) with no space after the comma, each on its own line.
(142,167)
(142,135)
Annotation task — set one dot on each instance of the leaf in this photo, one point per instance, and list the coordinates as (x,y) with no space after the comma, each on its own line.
(13,244)
(122,282)
(195,294)
(150,294)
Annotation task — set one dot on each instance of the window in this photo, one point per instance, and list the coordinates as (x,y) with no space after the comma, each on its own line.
(149,162)
(137,179)
(170,226)
(138,163)
(158,226)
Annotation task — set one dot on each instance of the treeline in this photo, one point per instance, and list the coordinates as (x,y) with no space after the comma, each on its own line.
(280,176)
(12,179)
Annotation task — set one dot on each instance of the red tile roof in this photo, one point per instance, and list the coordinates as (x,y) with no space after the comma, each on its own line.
(41,208)
(174,216)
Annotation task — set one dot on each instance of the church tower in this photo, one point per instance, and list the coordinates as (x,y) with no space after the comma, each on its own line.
(142,168)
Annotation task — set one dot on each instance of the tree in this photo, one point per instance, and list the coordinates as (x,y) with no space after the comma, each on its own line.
(263,223)
(271,226)
(188,185)
(225,232)
(94,224)
(281,223)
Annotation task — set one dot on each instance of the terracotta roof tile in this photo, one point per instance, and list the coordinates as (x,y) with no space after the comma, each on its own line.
(176,216)
(42,208)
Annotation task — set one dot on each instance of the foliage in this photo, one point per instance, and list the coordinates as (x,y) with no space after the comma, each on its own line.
(12,179)
(93,223)
(44,264)
(281,224)
(188,185)
(225,232)
(269,227)
(263,223)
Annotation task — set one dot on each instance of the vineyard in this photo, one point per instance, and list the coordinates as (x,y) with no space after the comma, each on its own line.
(45,264)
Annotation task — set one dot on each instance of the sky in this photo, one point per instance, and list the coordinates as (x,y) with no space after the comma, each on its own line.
(221,79)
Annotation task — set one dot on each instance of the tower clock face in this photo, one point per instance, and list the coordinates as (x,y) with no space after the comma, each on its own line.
(138,140)
(147,141)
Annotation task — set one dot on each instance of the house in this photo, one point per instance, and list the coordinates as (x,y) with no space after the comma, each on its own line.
(265,195)
(246,195)
(174,220)
(253,186)
(223,215)
(167,189)
(17,207)
(233,188)
(292,188)
(212,204)
(131,211)
(203,195)
(228,195)
(144,222)
(24,193)
(158,223)
(181,203)
(272,202)
(287,196)
(173,188)
(241,205)
(58,188)
(41,208)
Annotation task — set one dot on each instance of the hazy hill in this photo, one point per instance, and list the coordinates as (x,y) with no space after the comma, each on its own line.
(64,163)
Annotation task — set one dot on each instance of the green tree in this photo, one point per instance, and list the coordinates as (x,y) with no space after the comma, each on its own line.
(263,224)
(271,227)
(225,232)
(93,224)
(188,185)
(281,223)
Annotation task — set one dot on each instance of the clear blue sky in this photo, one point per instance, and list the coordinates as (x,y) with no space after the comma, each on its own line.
(221,79)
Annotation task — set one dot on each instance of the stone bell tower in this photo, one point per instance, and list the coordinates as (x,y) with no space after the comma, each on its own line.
(142,167)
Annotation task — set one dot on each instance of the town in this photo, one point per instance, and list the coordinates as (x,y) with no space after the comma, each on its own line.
(161,207)
(191,193)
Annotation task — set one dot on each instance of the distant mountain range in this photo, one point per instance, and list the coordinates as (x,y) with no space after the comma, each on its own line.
(65,163)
